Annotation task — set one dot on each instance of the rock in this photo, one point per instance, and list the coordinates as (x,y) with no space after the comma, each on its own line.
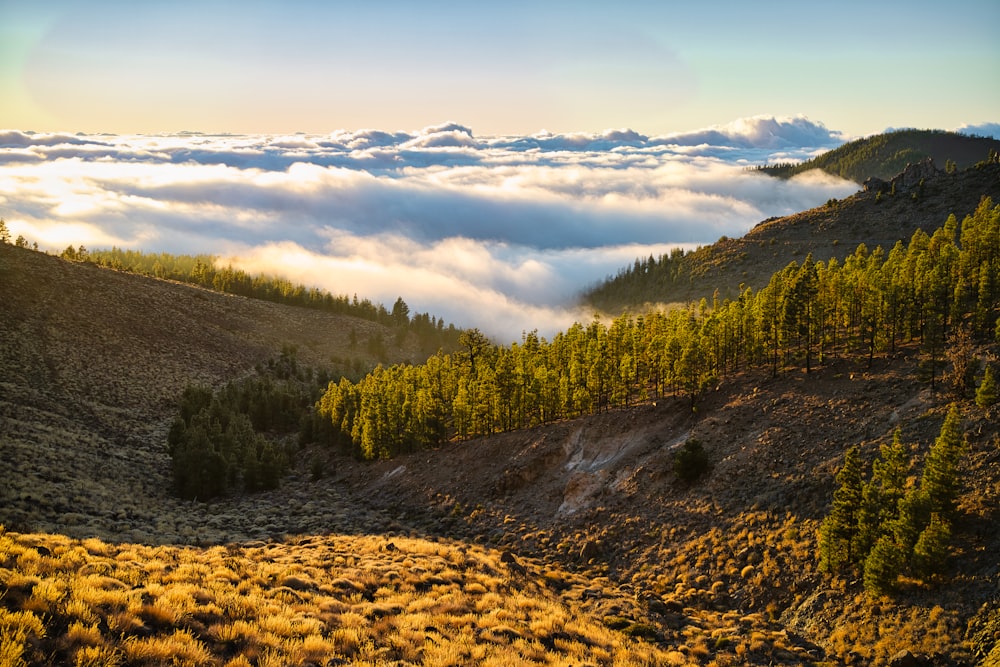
(913,175)
(906,659)
(510,560)
(875,184)
(591,549)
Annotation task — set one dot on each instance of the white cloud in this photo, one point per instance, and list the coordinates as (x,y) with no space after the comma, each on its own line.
(497,232)
(981,129)
(765,132)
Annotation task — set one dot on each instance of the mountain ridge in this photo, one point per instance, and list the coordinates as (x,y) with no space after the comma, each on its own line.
(924,200)
(887,154)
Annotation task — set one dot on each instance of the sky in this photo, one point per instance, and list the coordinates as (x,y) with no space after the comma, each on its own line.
(513,67)
(485,161)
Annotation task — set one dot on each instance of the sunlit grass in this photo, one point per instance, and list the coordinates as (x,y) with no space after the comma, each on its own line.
(359,600)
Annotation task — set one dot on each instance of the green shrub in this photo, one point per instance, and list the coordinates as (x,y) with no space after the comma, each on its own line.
(691,460)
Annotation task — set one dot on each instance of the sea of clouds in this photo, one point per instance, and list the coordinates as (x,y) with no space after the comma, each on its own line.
(501,233)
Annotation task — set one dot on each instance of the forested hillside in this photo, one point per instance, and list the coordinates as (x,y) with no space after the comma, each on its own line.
(885,155)
(933,289)
(920,197)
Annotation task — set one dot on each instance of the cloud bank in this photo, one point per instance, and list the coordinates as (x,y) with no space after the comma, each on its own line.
(981,129)
(496,232)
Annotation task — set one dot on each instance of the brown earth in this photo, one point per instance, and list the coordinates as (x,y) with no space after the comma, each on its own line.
(600,494)
(91,362)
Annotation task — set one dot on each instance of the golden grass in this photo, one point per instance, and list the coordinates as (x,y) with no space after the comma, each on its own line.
(357,600)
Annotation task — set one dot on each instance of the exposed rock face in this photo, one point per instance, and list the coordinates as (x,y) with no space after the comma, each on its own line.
(907,180)
(875,184)
(914,175)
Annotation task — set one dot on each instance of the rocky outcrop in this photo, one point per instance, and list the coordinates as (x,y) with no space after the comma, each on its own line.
(911,178)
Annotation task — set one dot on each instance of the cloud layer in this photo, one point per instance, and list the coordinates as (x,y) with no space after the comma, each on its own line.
(496,232)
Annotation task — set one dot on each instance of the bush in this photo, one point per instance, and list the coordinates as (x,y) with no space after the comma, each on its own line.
(691,460)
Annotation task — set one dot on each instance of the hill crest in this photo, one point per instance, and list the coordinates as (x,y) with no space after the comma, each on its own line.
(885,155)
(924,198)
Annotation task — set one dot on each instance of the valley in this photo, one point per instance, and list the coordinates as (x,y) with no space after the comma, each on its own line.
(574,542)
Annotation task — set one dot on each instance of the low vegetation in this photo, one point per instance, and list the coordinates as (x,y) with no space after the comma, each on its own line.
(349,600)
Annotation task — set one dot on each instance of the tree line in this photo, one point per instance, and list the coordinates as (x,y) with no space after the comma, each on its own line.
(938,288)
(646,277)
(202,270)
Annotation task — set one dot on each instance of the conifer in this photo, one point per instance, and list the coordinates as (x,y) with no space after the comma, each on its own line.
(986,395)
(931,550)
(883,566)
(940,481)
(881,495)
(839,530)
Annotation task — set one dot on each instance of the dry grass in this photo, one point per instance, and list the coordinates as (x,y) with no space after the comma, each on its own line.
(360,600)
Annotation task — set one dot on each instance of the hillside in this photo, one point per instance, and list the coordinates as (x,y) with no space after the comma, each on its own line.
(93,364)
(570,543)
(924,197)
(885,155)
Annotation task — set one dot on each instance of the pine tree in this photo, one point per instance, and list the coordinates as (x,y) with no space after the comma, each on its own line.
(931,550)
(883,566)
(986,395)
(912,518)
(839,530)
(964,363)
(881,495)
(940,481)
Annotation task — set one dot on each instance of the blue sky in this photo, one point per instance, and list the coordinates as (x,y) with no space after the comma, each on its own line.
(499,68)
(469,157)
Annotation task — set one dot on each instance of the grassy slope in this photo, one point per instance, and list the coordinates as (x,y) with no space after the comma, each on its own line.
(723,571)
(363,600)
(93,362)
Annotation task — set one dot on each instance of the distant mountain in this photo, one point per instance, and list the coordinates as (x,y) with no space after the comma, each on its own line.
(885,155)
(920,197)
